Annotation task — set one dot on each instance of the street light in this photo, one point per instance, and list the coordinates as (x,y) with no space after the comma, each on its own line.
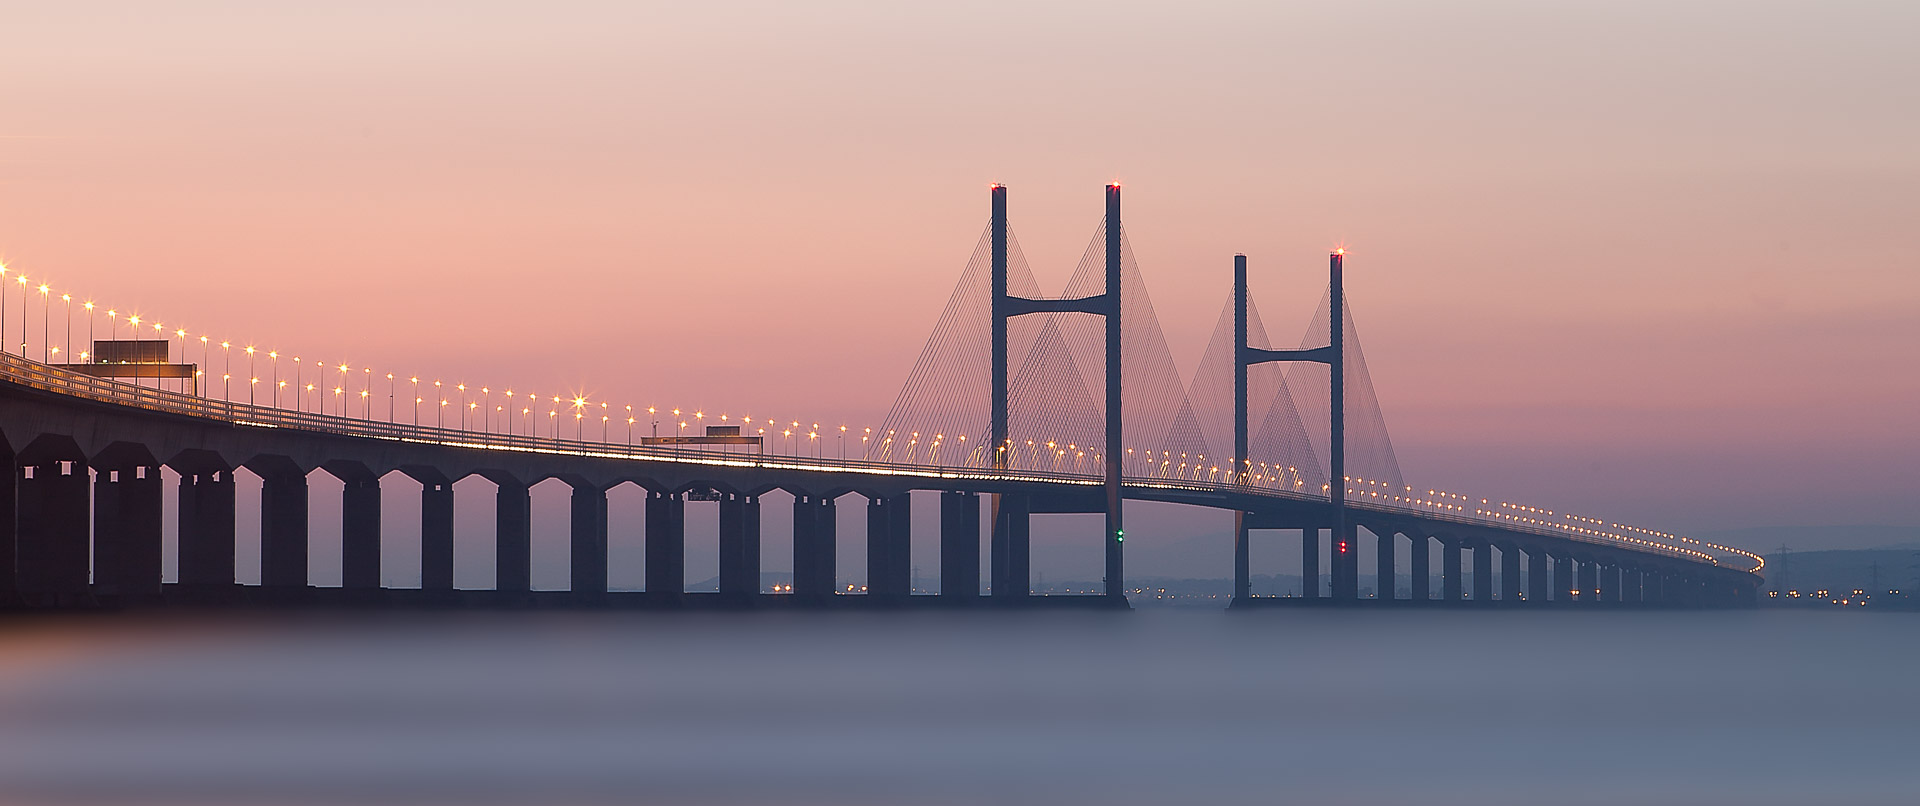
(416,399)
(226,378)
(463,405)
(46,338)
(274,356)
(67,342)
(486,414)
(439,411)
(23,314)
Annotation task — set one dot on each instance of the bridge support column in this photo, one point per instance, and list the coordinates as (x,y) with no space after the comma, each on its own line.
(283,528)
(666,546)
(1482,573)
(512,537)
(880,560)
(436,535)
(1385,581)
(1450,588)
(589,528)
(889,546)
(1538,579)
(1589,582)
(1310,562)
(1242,561)
(1419,569)
(739,547)
(53,521)
(1012,563)
(126,530)
(1345,562)
(360,533)
(9,526)
(206,510)
(815,535)
(960,546)
(1510,586)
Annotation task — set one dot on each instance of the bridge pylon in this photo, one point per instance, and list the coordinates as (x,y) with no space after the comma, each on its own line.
(1346,554)
(1006,306)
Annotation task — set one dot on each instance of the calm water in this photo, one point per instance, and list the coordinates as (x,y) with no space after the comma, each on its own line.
(1151,707)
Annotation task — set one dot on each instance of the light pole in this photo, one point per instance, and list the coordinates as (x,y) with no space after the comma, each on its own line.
(67,342)
(273,358)
(655,417)
(843,443)
(439,410)
(366,394)
(299,405)
(226,377)
(113,323)
(133,334)
(346,382)
(390,385)
(3,303)
(23,315)
(508,416)
(415,380)
(463,405)
(46,328)
(486,413)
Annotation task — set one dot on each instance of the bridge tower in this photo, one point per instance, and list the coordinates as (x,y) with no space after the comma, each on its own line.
(1346,556)
(1007,306)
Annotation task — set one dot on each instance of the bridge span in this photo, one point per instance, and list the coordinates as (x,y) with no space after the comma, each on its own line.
(999,417)
(88,453)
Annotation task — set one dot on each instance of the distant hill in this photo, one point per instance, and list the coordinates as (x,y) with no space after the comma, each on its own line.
(1765,539)
(1895,569)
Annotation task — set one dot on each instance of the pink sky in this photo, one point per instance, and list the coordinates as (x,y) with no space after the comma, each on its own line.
(1651,262)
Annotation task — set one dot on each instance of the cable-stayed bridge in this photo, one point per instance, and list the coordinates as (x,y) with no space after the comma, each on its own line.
(1019,404)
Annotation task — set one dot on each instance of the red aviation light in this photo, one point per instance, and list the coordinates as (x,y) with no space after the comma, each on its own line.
(1343,547)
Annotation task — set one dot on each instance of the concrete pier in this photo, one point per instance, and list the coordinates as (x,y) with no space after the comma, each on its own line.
(959,545)
(1011,575)
(666,545)
(283,525)
(1420,568)
(739,546)
(589,532)
(512,536)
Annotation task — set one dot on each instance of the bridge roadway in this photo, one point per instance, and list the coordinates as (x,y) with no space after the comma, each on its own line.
(57,424)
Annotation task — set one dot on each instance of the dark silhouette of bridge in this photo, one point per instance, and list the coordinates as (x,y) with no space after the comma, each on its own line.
(997,416)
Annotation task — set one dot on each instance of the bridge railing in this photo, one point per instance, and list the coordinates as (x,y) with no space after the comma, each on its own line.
(1459,509)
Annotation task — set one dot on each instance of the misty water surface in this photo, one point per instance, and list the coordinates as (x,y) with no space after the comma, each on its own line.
(1148,707)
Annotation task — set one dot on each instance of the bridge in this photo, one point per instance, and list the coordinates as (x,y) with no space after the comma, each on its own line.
(998,417)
